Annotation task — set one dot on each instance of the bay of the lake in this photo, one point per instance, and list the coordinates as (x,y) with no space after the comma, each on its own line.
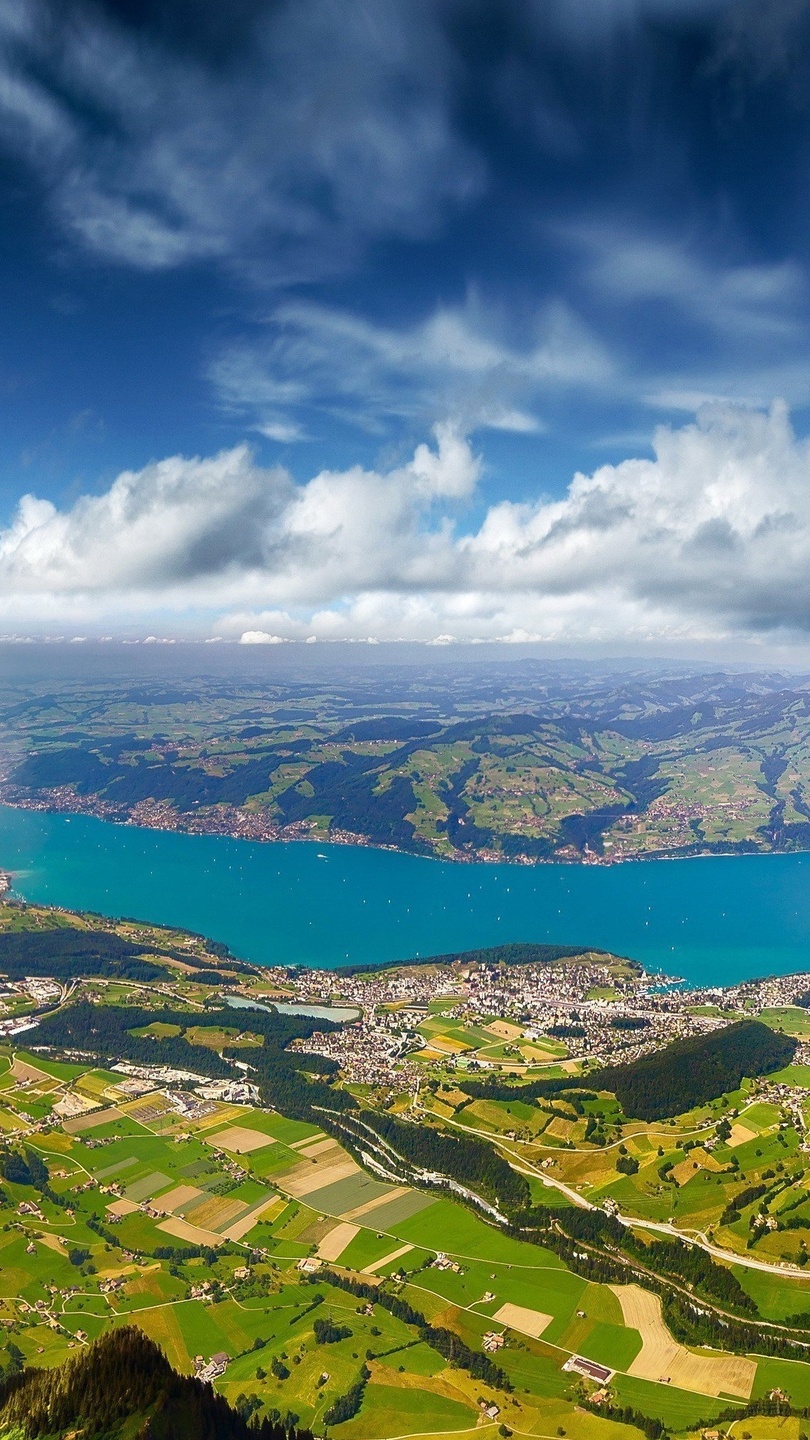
(712,921)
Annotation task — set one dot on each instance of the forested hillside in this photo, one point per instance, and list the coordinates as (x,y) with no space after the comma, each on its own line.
(122,1387)
(66,953)
(515,953)
(692,1071)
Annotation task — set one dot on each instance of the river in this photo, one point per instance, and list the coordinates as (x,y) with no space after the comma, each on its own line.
(711,921)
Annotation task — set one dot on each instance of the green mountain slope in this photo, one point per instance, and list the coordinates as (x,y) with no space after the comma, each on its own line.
(516,764)
(122,1387)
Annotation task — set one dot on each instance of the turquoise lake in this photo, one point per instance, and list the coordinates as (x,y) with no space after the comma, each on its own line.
(711,921)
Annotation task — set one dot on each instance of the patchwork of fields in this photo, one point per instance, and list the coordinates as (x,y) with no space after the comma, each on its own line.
(200,1233)
(228,1230)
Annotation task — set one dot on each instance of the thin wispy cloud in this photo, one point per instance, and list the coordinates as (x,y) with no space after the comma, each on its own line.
(743,301)
(453,362)
(329,127)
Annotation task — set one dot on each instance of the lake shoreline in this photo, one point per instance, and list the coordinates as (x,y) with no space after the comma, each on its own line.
(263,832)
(326,906)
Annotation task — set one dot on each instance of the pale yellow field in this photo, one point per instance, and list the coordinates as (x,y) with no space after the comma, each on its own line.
(268,1211)
(519,1317)
(386,1260)
(695,1161)
(193,1233)
(333,1165)
(316,1148)
(307,1140)
(325,1143)
(53,1242)
(178,1197)
(216,1212)
(121,1207)
(161,1325)
(560,1128)
(240,1140)
(446,1045)
(662,1358)
(223,1113)
(369,1205)
(504,1030)
(89,1122)
(335,1241)
(739,1135)
(536,1052)
(21,1070)
(122,1270)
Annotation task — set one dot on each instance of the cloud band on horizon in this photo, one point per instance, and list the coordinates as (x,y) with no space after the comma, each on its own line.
(709,539)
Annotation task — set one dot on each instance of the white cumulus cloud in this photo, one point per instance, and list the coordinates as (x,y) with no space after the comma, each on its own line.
(708,539)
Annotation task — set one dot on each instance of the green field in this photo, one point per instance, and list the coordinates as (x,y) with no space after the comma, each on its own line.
(80,1250)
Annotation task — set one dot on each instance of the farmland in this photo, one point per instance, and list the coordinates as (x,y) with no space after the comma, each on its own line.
(276,1230)
(122,1185)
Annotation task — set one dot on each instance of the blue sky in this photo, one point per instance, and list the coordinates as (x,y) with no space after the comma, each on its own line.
(254,264)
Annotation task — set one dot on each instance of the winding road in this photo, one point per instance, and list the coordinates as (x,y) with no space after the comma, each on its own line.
(661,1227)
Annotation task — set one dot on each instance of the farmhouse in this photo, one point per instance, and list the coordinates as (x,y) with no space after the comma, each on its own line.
(589,1369)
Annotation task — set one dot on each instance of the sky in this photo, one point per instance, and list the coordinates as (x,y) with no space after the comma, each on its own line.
(436,321)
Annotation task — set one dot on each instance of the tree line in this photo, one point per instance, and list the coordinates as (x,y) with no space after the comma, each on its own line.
(516,953)
(68,953)
(447,1342)
(471,1162)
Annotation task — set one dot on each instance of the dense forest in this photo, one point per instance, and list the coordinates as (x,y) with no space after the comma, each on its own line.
(685,1073)
(66,953)
(695,1070)
(127,783)
(107,1025)
(532,1090)
(123,1386)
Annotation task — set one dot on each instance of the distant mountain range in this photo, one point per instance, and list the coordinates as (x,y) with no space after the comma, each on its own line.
(516,763)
